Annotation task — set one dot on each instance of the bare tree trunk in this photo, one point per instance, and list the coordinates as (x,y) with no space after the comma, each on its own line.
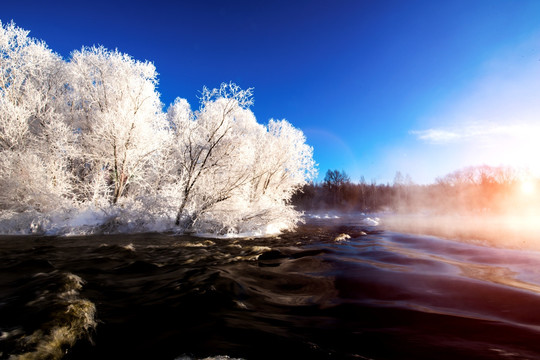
(180,211)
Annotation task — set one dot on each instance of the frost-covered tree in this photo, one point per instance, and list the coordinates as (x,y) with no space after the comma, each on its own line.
(34,141)
(289,160)
(235,174)
(116,109)
(283,164)
(29,75)
(87,140)
(212,149)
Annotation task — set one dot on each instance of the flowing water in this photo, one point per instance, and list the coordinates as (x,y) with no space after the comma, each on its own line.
(335,289)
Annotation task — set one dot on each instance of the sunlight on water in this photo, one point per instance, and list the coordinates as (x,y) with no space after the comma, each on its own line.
(508,231)
(478,271)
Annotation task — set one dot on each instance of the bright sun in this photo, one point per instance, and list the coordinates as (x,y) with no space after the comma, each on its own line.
(527,187)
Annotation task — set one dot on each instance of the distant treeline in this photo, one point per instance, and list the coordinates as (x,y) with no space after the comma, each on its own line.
(479,189)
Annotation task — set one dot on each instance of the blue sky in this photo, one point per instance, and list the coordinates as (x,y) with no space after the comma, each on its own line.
(421,87)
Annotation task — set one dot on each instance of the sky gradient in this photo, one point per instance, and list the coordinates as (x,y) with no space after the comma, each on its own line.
(421,87)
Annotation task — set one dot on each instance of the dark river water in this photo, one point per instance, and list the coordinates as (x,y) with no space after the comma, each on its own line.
(303,295)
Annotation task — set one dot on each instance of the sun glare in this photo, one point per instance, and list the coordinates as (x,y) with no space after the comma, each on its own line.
(527,187)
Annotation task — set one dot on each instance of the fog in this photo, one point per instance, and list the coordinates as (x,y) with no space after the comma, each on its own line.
(508,231)
(495,206)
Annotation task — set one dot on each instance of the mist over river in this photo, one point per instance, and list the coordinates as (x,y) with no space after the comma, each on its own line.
(337,288)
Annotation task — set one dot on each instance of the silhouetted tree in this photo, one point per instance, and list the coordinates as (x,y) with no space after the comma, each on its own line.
(335,183)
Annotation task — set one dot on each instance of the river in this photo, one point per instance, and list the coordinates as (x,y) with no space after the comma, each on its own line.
(337,288)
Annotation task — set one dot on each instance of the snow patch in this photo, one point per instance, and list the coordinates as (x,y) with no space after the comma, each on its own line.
(342,237)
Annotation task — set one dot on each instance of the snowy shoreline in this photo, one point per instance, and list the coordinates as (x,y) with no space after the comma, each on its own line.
(94,221)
